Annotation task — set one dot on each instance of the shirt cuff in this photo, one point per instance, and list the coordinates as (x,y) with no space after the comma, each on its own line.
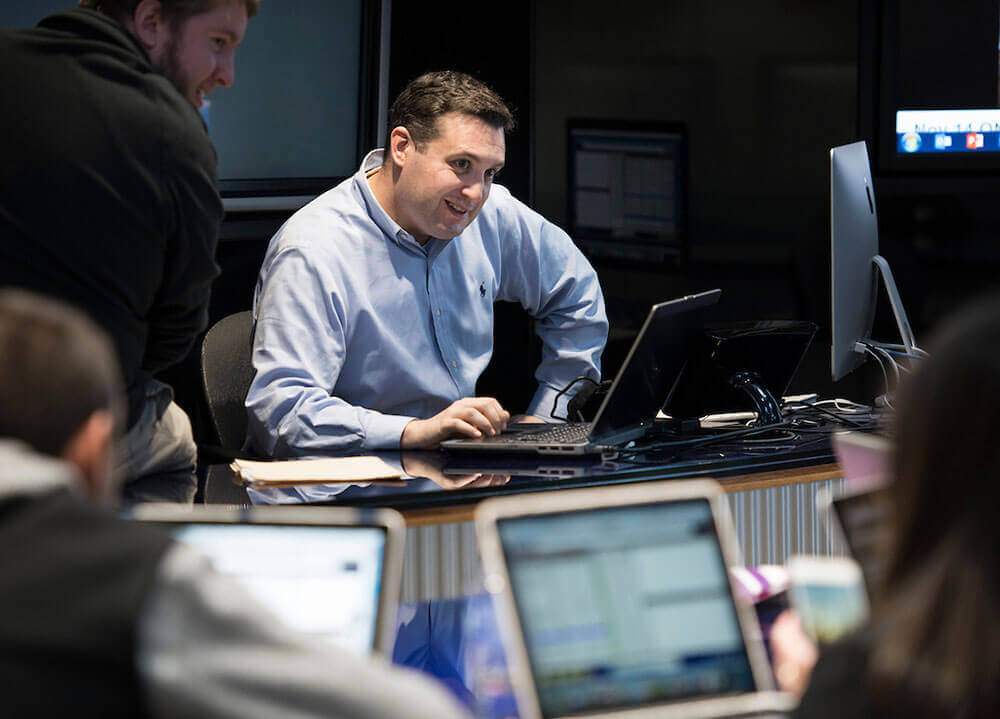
(384,431)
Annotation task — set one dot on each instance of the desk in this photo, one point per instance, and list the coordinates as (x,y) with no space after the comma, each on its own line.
(451,493)
(772,497)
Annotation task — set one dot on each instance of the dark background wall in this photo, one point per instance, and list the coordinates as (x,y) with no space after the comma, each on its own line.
(765,88)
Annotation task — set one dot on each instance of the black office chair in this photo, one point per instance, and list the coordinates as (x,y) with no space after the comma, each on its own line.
(226,373)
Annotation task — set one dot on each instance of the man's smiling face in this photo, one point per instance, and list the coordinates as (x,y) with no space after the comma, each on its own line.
(443,184)
(199,54)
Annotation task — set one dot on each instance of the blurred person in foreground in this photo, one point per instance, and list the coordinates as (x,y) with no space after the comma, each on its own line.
(104,617)
(932,647)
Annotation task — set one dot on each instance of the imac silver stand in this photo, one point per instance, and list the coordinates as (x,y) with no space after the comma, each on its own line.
(909,346)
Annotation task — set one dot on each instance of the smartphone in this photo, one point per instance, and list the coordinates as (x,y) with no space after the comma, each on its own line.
(828,594)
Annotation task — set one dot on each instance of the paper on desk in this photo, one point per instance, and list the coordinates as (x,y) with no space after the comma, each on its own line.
(316,471)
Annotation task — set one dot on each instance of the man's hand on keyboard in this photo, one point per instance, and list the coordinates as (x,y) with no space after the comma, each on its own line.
(468,417)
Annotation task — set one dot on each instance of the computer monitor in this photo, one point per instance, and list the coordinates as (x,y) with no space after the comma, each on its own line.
(627,189)
(311,85)
(855,264)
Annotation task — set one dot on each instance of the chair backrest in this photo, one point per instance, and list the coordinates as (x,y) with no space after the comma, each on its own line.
(226,373)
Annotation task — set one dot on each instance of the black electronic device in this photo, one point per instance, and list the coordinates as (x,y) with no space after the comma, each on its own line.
(742,366)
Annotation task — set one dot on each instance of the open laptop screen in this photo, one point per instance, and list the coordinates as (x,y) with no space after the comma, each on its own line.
(625,606)
(320,580)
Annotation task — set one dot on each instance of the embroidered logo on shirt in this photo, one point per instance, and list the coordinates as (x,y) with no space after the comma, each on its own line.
(482,289)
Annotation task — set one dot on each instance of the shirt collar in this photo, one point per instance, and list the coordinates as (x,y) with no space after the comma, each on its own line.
(24,471)
(389,226)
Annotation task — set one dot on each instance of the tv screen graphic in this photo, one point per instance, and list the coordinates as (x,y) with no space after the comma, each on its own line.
(925,132)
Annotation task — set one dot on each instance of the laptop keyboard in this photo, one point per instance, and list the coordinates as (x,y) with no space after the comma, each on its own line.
(570,433)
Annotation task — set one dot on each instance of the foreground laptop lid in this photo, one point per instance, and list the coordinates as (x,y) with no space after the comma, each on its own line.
(858,512)
(860,518)
(863,457)
(618,601)
(331,572)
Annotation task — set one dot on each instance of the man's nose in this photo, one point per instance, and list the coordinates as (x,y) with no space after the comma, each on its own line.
(474,191)
(225,71)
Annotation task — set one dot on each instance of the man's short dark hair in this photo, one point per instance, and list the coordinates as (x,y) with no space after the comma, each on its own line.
(56,369)
(175,12)
(434,94)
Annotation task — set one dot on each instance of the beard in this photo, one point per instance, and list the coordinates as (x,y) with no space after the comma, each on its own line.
(172,69)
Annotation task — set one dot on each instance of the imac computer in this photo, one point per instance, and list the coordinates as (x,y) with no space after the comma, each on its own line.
(855,265)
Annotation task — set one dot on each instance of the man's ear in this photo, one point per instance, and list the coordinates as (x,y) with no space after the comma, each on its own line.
(90,451)
(400,144)
(148,26)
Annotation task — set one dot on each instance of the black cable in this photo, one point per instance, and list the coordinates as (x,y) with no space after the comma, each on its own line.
(793,424)
(888,357)
(702,441)
(881,365)
(781,445)
(564,390)
(826,412)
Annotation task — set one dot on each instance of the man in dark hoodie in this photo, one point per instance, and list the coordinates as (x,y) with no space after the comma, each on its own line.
(108,193)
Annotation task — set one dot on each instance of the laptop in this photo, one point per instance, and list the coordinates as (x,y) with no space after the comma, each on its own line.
(860,518)
(617,602)
(863,457)
(858,512)
(644,383)
(330,572)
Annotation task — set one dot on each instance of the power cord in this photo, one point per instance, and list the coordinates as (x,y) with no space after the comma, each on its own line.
(885,374)
(700,441)
(567,388)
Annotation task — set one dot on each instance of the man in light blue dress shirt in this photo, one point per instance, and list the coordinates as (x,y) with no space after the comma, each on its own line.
(374,305)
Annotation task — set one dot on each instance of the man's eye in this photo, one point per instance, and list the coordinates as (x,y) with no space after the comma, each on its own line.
(491,175)
(218,43)
(461,165)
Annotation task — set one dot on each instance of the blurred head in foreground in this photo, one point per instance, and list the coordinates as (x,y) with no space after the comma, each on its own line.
(60,387)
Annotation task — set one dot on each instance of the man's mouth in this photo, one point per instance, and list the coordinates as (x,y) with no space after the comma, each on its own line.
(199,96)
(456,209)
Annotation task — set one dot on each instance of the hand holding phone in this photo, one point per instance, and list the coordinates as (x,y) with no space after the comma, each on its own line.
(828,594)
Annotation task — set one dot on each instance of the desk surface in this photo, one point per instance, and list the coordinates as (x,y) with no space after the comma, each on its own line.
(456,483)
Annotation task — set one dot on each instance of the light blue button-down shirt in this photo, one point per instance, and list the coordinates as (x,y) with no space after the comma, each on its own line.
(360,329)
